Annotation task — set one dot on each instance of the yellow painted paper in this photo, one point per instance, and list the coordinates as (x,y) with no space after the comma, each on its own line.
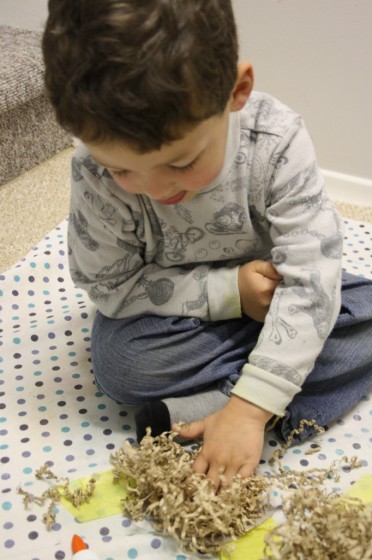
(362,489)
(251,546)
(106,499)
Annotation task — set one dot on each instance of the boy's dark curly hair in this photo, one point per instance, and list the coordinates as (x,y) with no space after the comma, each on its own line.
(138,71)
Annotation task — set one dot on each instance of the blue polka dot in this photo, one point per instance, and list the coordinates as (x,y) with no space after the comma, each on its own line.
(156,543)
(132,553)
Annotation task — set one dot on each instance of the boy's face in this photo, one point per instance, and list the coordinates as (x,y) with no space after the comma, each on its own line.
(177,172)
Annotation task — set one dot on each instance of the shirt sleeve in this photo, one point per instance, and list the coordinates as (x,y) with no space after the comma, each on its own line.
(306,234)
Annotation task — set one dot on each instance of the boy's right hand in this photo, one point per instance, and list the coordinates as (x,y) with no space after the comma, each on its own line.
(233,439)
(257,281)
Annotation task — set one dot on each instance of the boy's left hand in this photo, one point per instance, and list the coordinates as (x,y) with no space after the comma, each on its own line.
(233,440)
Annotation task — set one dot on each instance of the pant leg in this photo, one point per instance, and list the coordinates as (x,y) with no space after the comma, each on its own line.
(149,358)
(342,374)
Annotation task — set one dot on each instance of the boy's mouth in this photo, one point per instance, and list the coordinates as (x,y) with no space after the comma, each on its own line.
(174,199)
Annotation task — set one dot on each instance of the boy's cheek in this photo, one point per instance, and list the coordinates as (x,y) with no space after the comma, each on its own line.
(126,184)
(202,178)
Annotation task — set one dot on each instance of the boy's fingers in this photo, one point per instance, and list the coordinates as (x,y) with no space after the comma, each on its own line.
(228,475)
(200,465)
(216,476)
(191,431)
(213,471)
(272,273)
(267,269)
(246,471)
(270,284)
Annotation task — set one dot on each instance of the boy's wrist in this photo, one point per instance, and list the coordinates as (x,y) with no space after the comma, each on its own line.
(247,407)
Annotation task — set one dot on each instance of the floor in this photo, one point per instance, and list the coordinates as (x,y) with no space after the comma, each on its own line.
(32,205)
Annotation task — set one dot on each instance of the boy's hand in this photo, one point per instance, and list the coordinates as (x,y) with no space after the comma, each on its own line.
(233,440)
(257,281)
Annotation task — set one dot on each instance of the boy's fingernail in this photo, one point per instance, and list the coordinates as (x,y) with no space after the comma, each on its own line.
(178,427)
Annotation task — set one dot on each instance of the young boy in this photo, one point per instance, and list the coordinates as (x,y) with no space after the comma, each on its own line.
(200,227)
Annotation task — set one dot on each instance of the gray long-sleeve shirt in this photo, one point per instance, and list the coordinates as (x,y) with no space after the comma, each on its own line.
(135,256)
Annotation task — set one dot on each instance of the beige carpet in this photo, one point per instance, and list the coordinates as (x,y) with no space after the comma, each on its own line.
(35,202)
(32,205)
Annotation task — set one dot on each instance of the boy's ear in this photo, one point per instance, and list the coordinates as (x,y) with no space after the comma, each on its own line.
(243,86)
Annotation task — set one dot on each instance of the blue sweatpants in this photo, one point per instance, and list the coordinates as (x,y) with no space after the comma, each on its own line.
(149,358)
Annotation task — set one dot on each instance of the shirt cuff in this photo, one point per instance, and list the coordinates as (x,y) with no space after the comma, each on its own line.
(265,389)
(223,294)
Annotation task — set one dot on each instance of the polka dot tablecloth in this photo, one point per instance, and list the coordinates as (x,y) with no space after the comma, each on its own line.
(51,411)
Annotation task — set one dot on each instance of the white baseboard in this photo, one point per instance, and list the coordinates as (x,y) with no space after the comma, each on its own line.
(347,188)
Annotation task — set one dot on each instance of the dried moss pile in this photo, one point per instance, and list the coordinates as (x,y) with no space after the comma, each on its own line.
(180,503)
(321,527)
(183,504)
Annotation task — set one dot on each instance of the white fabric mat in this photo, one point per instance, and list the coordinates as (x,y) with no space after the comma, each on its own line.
(50,410)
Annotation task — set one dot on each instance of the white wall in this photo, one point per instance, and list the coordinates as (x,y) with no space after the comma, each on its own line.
(26,14)
(316,56)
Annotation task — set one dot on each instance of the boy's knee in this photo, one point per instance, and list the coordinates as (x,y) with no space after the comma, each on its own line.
(125,368)
(114,370)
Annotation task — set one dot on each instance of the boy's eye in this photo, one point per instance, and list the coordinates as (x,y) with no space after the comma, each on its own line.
(120,173)
(185,168)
